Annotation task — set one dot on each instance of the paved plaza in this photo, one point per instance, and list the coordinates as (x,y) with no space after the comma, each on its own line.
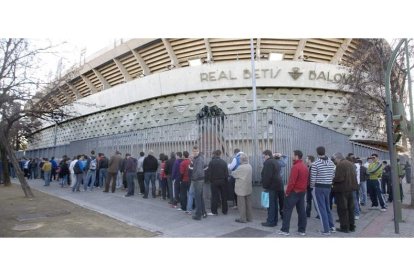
(156,215)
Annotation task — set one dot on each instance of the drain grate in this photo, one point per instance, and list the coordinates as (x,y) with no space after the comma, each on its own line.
(27,227)
(35,216)
(247,232)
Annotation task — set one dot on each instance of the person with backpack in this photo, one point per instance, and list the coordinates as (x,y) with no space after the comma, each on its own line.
(91,173)
(63,172)
(77,169)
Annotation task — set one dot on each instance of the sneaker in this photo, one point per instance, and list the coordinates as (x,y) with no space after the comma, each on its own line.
(325,233)
(188,212)
(383,209)
(179,209)
(301,233)
(356,217)
(211,214)
(332,230)
(283,233)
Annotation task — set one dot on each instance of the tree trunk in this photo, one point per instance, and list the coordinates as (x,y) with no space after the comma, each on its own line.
(5,164)
(412,171)
(10,153)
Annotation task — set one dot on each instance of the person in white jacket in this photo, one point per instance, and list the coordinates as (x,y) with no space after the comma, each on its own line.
(72,172)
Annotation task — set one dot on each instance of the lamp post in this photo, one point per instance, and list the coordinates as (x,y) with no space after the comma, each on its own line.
(254,114)
(390,138)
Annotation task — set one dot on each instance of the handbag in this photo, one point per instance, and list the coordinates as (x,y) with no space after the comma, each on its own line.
(265,200)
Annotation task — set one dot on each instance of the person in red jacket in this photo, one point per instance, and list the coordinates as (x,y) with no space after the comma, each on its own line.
(295,195)
(185,180)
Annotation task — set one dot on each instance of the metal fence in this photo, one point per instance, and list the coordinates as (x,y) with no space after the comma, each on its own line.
(273,130)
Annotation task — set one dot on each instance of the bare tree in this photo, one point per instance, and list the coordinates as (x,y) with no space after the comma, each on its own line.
(18,114)
(367,102)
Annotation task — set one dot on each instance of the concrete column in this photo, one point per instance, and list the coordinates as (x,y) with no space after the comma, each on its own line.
(89,84)
(171,54)
(299,50)
(141,62)
(105,84)
(68,99)
(74,90)
(341,51)
(208,48)
(121,67)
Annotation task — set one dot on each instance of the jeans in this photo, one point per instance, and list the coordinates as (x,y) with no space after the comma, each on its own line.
(163,187)
(149,176)
(200,208)
(292,200)
(130,180)
(219,193)
(170,189)
(64,180)
(272,215)
(308,201)
(385,184)
(363,192)
(119,179)
(103,174)
(357,210)
(90,176)
(140,176)
(281,199)
(176,190)
(47,178)
(79,178)
(322,206)
(190,197)
(184,187)
(375,193)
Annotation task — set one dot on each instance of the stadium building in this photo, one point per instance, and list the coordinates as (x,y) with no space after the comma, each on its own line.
(144,93)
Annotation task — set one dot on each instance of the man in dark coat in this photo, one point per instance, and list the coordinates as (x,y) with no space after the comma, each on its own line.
(272,183)
(218,176)
(344,183)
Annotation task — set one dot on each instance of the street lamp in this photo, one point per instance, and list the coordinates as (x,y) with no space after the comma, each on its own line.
(390,138)
(254,119)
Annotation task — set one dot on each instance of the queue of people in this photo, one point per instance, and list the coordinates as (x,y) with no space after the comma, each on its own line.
(316,182)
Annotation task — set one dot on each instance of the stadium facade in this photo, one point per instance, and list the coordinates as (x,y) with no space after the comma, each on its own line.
(147,83)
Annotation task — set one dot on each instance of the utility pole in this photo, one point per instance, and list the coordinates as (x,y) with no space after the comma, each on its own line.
(390,138)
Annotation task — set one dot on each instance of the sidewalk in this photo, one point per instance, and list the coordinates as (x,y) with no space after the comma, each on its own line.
(156,215)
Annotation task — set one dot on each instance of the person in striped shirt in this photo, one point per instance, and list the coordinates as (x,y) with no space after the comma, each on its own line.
(322,173)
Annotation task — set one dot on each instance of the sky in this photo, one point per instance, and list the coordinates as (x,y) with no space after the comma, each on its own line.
(65,53)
